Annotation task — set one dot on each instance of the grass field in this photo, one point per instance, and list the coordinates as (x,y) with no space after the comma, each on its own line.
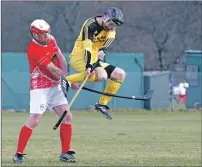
(145,138)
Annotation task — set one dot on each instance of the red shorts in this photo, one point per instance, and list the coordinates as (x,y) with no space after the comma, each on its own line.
(182,98)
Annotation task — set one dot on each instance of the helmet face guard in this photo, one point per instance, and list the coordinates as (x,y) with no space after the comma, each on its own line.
(108,24)
(42,39)
(113,17)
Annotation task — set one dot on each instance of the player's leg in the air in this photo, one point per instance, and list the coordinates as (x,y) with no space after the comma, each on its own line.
(116,77)
(79,65)
(98,75)
(101,73)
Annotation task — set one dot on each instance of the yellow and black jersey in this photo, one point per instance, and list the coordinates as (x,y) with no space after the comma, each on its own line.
(91,39)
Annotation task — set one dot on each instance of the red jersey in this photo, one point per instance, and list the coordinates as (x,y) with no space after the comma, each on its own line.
(39,56)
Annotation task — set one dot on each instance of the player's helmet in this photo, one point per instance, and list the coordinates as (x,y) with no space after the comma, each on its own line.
(114,15)
(40,30)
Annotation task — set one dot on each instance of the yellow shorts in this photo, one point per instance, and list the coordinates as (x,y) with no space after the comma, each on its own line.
(78,63)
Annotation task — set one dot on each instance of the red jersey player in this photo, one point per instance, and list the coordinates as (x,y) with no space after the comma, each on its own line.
(47,65)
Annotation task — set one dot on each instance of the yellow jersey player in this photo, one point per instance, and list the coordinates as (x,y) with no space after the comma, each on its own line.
(96,35)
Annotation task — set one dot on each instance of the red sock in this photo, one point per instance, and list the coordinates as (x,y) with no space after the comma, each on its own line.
(24,136)
(65,136)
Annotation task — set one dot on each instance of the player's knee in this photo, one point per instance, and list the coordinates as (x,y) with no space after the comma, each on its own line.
(123,74)
(118,73)
(33,121)
(68,118)
(102,76)
(36,122)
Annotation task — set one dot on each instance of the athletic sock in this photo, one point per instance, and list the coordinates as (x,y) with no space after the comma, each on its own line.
(24,136)
(112,87)
(65,137)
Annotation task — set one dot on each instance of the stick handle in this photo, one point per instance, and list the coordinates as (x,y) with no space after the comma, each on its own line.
(60,120)
(70,104)
(78,91)
(74,98)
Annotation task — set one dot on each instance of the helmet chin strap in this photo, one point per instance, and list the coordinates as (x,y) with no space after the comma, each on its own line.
(105,27)
(104,21)
(103,24)
(41,43)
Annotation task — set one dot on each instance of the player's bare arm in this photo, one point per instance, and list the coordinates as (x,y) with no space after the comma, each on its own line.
(61,58)
(63,67)
(55,71)
(63,62)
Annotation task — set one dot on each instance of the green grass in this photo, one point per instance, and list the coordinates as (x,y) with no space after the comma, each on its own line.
(146,138)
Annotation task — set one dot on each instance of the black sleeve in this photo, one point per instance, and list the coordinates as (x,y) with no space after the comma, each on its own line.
(89,29)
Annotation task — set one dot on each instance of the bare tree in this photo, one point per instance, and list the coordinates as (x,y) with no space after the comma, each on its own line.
(69,12)
(71,16)
(160,39)
(166,28)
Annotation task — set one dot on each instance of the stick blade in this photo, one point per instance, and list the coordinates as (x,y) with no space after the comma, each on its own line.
(146,96)
(149,94)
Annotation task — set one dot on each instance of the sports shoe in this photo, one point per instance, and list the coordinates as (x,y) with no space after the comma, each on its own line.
(68,156)
(18,158)
(104,109)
